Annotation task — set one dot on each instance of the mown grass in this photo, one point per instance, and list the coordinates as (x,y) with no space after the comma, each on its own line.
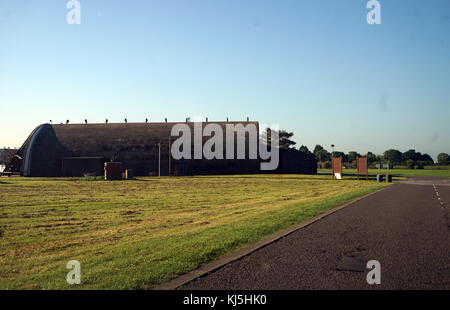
(139,233)
(428,172)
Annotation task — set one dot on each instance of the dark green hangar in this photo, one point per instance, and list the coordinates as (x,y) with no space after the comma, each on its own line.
(72,150)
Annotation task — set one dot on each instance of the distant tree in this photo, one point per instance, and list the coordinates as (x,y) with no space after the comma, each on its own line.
(6,155)
(411,155)
(371,158)
(323,155)
(393,156)
(410,163)
(443,159)
(427,158)
(317,148)
(341,154)
(416,156)
(285,139)
(304,149)
(352,156)
(380,158)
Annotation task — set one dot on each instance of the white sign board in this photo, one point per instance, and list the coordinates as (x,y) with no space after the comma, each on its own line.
(338,176)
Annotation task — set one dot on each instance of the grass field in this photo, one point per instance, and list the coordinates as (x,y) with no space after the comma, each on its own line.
(136,234)
(445,173)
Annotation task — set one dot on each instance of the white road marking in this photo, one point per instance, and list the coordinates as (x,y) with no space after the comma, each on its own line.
(438,196)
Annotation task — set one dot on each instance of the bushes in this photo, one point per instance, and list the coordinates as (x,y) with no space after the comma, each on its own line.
(409,164)
(419,165)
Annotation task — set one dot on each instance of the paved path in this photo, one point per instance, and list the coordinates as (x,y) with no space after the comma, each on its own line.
(417,180)
(405,227)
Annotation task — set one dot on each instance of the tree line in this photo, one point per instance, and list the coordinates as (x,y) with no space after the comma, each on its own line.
(6,154)
(411,158)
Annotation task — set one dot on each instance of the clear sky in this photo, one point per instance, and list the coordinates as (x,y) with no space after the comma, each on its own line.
(313,66)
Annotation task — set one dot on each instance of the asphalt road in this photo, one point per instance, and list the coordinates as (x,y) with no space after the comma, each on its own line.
(405,227)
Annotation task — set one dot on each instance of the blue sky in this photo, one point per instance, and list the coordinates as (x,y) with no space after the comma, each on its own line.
(313,66)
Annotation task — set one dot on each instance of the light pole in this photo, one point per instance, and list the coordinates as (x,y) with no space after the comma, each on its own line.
(332,161)
(159,158)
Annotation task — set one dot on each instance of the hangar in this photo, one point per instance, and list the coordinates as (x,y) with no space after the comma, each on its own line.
(79,149)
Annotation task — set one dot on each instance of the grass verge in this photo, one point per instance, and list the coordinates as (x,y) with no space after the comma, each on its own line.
(137,234)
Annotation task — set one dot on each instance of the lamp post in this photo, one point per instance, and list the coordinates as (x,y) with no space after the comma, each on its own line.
(159,158)
(332,161)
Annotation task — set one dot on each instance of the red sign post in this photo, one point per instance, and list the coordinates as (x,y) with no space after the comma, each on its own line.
(336,164)
(362,166)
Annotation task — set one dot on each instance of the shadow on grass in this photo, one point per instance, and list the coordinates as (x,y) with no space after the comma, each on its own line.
(264,176)
(352,175)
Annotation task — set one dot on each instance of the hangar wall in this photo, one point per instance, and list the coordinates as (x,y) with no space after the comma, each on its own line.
(136,145)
